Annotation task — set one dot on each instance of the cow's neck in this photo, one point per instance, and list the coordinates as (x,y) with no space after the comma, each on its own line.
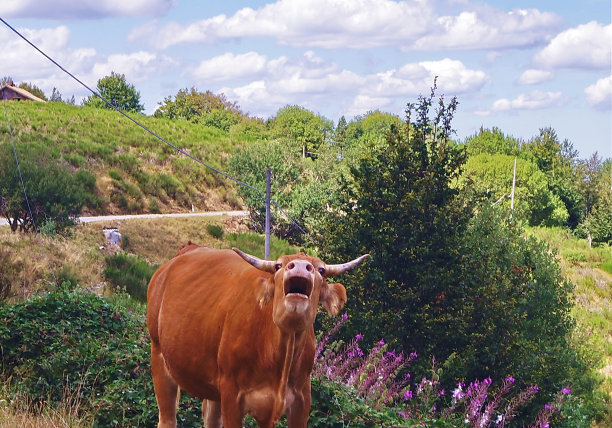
(289,344)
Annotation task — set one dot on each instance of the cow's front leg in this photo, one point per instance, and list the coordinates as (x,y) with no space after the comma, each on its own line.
(298,408)
(231,411)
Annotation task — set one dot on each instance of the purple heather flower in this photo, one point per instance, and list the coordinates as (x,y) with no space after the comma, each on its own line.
(358,336)
(344,316)
(548,407)
(359,351)
(458,392)
(407,395)
(566,391)
(413,355)
(381,342)
(510,379)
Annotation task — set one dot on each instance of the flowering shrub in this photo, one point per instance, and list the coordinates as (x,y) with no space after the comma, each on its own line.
(380,380)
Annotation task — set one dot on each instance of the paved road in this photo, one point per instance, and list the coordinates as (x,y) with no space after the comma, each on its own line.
(3,221)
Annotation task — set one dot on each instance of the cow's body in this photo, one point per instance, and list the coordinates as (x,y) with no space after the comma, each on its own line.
(238,336)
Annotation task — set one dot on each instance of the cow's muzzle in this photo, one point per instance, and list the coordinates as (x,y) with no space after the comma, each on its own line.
(299,278)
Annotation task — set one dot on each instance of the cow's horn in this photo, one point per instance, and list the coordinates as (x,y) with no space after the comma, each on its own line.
(333,270)
(265,265)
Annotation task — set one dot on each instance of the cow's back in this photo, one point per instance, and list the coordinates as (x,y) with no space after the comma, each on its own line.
(198,302)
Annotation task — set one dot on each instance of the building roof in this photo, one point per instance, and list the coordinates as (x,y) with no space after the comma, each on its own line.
(22,92)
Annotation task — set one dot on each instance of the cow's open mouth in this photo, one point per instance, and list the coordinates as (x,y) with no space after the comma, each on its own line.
(298,286)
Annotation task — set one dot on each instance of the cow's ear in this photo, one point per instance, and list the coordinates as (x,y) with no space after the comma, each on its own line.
(333,297)
(266,291)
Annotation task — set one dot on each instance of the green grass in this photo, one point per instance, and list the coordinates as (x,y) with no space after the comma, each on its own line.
(107,144)
(589,269)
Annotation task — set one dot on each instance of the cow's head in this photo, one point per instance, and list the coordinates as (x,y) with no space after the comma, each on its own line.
(298,284)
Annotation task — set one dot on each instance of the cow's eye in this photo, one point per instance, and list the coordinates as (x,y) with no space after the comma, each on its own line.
(322,271)
(278,266)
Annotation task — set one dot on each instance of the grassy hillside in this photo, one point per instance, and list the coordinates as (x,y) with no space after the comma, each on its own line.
(135,171)
(590,269)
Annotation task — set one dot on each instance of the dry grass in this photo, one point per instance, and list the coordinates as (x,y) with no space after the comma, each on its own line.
(22,412)
(81,254)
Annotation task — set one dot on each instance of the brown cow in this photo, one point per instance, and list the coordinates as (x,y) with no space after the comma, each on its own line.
(238,335)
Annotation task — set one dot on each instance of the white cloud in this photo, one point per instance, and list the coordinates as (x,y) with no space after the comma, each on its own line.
(364,103)
(416,78)
(484,27)
(230,67)
(362,24)
(88,9)
(535,100)
(314,23)
(137,66)
(586,46)
(599,95)
(24,64)
(533,77)
(310,80)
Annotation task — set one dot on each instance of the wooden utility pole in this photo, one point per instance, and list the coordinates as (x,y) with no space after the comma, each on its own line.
(267,239)
(512,194)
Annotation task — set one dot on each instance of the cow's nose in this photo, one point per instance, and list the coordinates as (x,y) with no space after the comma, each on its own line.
(300,266)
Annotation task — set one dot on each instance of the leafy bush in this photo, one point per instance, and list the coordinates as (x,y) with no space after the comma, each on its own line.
(54,192)
(129,272)
(214,230)
(78,341)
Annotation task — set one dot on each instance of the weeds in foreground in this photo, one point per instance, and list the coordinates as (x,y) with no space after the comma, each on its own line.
(23,411)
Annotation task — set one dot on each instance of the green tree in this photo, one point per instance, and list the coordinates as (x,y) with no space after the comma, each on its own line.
(340,134)
(534,202)
(492,141)
(194,106)
(300,128)
(299,186)
(373,127)
(118,92)
(55,194)
(398,202)
(558,161)
(34,90)
(597,225)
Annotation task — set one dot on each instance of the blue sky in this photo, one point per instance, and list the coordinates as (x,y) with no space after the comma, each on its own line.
(519,65)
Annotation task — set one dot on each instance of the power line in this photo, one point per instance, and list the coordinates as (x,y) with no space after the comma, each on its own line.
(242,183)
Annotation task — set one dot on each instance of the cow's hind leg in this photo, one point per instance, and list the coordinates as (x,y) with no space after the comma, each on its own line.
(211,413)
(166,389)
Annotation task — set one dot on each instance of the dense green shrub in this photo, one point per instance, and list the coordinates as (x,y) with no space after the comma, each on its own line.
(54,192)
(130,273)
(214,230)
(83,344)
